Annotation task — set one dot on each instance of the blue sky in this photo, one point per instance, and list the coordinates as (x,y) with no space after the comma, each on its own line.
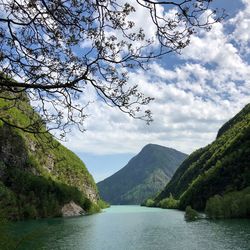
(195,93)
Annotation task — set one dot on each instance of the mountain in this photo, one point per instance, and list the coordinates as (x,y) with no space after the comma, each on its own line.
(144,175)
(39,177)
(218,172)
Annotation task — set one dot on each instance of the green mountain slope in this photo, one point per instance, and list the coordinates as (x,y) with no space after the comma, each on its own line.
(144,176)
(38,175)
(217,169)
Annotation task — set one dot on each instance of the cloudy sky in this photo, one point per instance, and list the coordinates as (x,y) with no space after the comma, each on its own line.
(195,93)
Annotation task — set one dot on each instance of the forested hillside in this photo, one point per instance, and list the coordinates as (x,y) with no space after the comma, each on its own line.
(221,168)
(38,175)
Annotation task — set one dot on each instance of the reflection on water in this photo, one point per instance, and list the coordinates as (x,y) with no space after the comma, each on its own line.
(133,227)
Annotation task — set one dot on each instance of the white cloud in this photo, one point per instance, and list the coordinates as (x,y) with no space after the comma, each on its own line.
(191,101)
(242,24)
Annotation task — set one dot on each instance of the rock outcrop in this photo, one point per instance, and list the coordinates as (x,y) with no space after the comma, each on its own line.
(72,209)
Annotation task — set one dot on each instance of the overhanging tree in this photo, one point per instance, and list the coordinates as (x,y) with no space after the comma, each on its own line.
(56,48)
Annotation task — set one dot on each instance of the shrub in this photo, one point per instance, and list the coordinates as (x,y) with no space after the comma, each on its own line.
(191,214)
(150,203)
(103,204)
(169,203)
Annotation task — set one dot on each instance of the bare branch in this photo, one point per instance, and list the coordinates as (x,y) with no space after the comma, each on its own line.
(57,48)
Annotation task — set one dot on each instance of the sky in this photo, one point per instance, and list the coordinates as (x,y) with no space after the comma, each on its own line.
(195,93)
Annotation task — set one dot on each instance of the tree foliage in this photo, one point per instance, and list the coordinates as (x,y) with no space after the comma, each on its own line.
(149,203)
(26,196)
(169,203)
(56,49)
(231,205)
(191,214)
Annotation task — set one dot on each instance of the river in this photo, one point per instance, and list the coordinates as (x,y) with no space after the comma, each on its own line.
(132,228)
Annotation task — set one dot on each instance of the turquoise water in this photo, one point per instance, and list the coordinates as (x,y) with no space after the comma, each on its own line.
(133,227)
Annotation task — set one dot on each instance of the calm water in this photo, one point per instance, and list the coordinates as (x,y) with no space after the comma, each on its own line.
(133,227)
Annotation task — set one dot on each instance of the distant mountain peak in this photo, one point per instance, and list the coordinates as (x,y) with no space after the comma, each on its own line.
(143,176)
(153,145)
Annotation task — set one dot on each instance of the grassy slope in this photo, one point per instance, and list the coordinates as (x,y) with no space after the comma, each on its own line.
(220,167)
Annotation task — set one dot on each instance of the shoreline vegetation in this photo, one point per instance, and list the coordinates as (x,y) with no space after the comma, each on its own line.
(234,204)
